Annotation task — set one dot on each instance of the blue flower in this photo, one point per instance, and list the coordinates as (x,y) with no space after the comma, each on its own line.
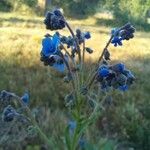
(25,98)
(119,68)
(103,72)
(87,35)
(50,45)
(124,33)
(50,53)
(72,125)
(117,41)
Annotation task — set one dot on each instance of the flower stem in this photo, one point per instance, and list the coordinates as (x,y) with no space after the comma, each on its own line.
(83,59)
(76,41)
(91,81)
(70,72)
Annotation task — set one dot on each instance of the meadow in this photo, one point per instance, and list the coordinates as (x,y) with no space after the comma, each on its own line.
(21,70)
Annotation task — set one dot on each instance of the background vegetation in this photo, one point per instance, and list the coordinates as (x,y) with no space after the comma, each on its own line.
(128,121)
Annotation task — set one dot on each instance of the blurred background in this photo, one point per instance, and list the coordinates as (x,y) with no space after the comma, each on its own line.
(21,32)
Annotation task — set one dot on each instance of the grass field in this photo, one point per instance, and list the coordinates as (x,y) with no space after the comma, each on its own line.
(21,69)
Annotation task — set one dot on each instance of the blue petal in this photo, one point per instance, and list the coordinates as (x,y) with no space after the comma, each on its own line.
(25,98)
(59,67)
(72,125)
(47,48)
(117,41)
(115,44)
(104,72)
(55,41)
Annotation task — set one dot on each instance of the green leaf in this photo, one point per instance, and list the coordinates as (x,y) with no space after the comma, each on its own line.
(67,138)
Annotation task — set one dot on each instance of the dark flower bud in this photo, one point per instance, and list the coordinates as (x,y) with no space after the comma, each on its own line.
(89,50)
(127,25)
(6,96)
(87,35)
(57,12)
(69,100)
(64,39)
(107,55)
(47,35)
(131,29)
(79,36)
(9,113)
(54,20)
(78,32)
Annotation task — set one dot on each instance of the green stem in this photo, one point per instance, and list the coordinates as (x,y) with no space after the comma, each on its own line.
(74,84)
(91,80)
(76,41)
(83,59)
(75,139)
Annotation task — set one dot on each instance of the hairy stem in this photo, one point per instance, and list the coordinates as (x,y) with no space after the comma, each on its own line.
(76,41)
(82,65)
(91,81)
(70,73)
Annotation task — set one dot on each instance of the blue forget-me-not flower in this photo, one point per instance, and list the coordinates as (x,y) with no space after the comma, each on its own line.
(50,53)
(124,33)
(25,98)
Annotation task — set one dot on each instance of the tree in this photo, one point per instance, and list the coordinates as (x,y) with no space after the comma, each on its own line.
(134,10)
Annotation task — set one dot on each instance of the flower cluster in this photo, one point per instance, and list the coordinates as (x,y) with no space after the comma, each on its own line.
(50,54)
(115,76)
(82,36)
(5,96)
(60,52)
(124,33)
(54,20)
(69,41)
(9,113)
